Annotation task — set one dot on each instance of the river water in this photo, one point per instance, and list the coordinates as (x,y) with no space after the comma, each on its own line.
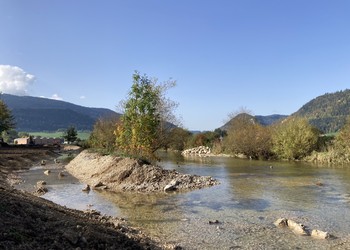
(251,196)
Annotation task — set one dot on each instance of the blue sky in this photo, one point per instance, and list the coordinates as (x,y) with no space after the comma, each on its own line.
(268,56)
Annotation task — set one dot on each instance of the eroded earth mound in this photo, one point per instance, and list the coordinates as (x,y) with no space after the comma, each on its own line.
(126,174)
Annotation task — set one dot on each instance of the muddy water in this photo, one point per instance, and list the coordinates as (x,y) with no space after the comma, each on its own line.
(252,195)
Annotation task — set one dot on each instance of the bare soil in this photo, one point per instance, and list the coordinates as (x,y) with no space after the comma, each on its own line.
(30,222)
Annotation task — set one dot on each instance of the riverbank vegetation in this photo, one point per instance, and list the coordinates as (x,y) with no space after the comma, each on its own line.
(146,127)
(293,138)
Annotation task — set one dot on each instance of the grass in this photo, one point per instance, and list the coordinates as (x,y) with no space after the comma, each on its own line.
(82,135)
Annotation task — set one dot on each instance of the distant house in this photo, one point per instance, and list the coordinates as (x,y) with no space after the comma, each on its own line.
(22,141)
(38,141)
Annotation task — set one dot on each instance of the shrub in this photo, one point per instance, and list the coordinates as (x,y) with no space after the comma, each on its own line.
(294,139)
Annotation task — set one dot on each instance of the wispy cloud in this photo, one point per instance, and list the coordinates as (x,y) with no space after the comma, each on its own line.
(82,97)
(14,80)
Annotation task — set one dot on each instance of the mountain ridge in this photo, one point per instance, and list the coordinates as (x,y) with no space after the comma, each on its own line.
(35,114)
(327,112)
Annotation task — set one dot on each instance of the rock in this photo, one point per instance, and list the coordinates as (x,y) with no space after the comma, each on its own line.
(41,191)
(43,163)
(86,188)
(61,174)
(281,222)
(92,212)
(214,222)
(99,186)
(199,151)
(297,228)
(171,186)
(40,183)
(71,237)
(318,234)
(56,161)
(83,240)
(47,172)
(301,229)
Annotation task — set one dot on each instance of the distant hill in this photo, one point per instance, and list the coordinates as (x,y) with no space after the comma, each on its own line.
(269,119)
(327,112)
(263,120)
(35,114)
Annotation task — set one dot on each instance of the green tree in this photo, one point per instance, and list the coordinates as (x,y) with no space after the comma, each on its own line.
(294,139)
(178,138)
(342,143)
(102,136)
(246,136)
(6,118)
(9,136)
(146,112)
(71,134)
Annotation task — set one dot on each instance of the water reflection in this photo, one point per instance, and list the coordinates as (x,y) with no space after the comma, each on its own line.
(252,194)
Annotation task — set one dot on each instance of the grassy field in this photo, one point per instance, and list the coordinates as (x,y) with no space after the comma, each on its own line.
(81,135)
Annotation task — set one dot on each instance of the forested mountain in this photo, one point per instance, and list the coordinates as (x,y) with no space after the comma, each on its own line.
(35,114)
(269,119)
(327,112)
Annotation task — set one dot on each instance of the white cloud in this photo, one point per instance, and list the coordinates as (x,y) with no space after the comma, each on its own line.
(82,97)
(56,97)
(14,80)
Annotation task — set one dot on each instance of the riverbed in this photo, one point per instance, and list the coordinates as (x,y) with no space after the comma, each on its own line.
(237,214)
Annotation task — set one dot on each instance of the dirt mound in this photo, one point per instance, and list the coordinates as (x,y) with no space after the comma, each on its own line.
(126,174)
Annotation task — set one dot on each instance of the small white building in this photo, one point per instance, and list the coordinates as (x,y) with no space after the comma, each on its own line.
(22,141)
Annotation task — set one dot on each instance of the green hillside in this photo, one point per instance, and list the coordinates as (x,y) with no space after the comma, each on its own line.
(327,112)
(36,114)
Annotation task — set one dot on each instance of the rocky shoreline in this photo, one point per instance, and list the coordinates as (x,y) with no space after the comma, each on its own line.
(30,222)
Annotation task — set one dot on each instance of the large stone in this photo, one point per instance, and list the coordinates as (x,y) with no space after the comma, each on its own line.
(40,183)
(86,188)
(171,186)
(297,228)
(61,174)
(318,234)
(281,222)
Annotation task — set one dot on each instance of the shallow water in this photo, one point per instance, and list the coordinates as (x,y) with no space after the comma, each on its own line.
(251,196)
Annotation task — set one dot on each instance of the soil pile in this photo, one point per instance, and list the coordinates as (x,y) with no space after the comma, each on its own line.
(126,174)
